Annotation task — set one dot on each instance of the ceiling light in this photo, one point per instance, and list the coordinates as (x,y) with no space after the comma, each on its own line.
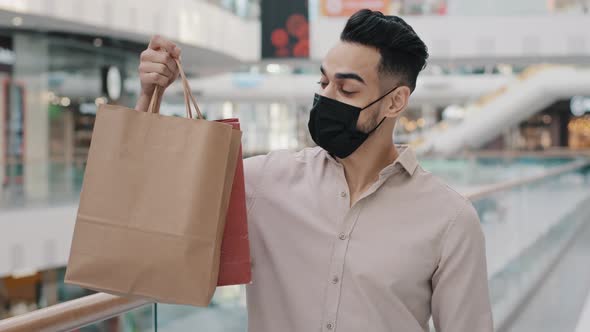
(273,68)
(421,122)
(17,21)
(65,102)
(100,101)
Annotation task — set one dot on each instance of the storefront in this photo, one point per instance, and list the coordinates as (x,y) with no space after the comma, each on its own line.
(266,125)
(50,87)
(564,124)
(579,126)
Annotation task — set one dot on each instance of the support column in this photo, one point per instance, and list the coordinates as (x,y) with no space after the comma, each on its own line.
(31,70)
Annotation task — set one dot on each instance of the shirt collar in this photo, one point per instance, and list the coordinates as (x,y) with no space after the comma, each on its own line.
(406,159)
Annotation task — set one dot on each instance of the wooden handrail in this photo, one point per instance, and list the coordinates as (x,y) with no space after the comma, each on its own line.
(515,154)
(494,188)
(98,307)
(72,314)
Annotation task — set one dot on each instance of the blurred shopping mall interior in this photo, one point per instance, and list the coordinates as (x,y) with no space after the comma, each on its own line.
(501,112)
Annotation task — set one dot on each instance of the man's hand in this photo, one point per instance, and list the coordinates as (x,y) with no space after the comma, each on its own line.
(157,67)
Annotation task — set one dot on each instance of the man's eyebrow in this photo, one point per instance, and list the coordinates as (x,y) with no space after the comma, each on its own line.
(344,76)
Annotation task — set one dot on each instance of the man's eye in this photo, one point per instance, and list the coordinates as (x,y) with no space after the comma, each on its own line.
(347,93)
(323,84)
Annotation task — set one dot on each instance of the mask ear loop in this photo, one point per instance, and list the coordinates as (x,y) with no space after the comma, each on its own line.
(369,133)
(390,91)
(371,104)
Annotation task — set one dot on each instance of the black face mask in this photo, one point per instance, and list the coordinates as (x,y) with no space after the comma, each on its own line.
(333,125)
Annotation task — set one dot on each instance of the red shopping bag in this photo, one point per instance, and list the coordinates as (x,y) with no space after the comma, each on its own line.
(234,267)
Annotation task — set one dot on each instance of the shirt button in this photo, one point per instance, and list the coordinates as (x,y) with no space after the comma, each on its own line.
(343,194)
(330,326)
(335,280)
(342,236)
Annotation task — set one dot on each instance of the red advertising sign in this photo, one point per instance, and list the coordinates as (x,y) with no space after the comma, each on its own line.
(349,7)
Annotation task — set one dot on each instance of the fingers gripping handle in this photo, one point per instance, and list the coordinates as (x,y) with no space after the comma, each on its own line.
(189,99)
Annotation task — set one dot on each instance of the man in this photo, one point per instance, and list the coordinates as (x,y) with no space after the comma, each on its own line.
(354,235)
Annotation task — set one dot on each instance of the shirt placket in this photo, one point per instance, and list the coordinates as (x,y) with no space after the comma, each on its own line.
(334,287)
(337,260)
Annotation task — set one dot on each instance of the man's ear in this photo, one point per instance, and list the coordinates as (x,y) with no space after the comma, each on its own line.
(397,101)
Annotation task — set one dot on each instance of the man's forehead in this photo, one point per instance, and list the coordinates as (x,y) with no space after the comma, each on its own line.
(349,57)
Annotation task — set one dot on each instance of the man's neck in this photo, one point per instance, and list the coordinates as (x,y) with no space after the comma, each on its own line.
(362,168)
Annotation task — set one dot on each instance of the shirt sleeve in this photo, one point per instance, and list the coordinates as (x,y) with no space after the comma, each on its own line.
(253,174)
(460,299)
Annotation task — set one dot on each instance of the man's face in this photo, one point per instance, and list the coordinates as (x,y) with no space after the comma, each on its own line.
(350,74)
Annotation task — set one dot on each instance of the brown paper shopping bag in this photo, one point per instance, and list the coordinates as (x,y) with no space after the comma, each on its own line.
(153,204)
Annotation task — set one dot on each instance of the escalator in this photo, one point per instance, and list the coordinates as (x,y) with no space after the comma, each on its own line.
(558,302)
(533,90)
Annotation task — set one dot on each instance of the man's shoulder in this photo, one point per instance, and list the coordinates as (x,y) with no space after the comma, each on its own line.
(286,158)
(282,162)
(436,192)
(445,204)
(305,155)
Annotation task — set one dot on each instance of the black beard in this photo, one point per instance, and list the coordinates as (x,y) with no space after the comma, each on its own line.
(369,124)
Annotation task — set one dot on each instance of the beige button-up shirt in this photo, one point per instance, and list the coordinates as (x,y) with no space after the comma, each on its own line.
(409,248)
